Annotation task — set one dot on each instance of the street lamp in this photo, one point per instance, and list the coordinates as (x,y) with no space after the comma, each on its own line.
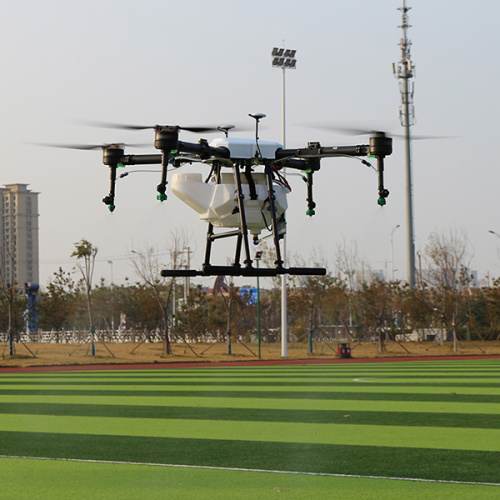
(284,59)
(258,256)
(187,283)
(110,262)
(392,248)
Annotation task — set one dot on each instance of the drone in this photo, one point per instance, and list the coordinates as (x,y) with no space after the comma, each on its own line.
(245,192)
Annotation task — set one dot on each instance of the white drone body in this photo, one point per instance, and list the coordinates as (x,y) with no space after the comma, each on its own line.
(242,149)
(217,202)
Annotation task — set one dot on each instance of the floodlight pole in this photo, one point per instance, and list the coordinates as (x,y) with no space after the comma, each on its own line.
(392,248)
(283,58)
(404,71)
(283,107)
(258,256)
(284,284)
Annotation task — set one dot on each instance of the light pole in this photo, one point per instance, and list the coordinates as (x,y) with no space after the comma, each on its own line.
(187,282)
(284,59)
(258,256)
(110,262)
(392,248)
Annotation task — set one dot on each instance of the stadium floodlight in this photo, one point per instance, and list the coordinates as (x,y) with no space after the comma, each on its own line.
(283,58)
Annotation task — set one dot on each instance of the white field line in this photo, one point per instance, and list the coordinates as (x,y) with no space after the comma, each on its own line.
(364,380)
(355,476)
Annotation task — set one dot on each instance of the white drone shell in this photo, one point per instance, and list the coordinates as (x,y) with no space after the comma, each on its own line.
(242,149)
(218,204)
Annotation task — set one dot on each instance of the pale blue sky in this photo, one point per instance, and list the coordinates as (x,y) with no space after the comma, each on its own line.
(198,62)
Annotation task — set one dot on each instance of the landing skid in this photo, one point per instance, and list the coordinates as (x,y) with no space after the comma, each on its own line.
(244,267)
(243,271)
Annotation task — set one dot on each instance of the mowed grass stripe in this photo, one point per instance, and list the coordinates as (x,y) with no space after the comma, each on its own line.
(123,480)
(354,388)
(343,405)
(252,383)
(420,419)
(451,465)
(363,396)
(278,432)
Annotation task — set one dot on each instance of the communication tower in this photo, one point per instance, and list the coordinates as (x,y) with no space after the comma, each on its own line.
(404,70)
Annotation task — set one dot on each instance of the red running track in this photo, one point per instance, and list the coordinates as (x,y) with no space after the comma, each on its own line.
(277,362)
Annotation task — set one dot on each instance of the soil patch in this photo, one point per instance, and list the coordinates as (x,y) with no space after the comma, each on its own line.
(152,353)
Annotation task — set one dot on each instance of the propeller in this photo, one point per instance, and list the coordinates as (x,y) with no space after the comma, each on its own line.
(195,129)
(125,126)
(366,131)
(90,147)
(112,154)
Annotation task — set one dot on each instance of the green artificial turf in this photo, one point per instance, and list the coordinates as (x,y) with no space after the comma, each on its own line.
(423,420)
(96,481)
(356,417)
(450,465)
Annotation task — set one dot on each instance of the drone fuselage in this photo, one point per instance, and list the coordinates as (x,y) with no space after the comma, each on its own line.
(216,201)
(246,149)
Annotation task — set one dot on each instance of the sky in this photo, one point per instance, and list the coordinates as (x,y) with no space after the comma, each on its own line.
(209,63)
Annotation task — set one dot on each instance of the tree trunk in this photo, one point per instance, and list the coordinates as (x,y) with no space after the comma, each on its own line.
(456,345)
(381,344)
(11,323)
(167,348)
(91,321)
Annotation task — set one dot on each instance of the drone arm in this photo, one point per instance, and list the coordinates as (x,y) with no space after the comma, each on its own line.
(140,160)
(380,146)
(293,163)
(203,150)
(316,151)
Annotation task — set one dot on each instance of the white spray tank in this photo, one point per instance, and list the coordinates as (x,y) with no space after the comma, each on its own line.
(218,203)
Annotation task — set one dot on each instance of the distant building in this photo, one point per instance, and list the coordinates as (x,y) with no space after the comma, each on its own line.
(249,294)
(433,278)
(377,274)
(19,234)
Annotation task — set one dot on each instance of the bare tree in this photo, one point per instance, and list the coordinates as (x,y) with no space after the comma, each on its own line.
(8,283)
(85,253)
(348,262)
(450,256)
(308,298)
(148,266)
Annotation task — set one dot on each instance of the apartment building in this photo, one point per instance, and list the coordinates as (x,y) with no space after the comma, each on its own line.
(19,234)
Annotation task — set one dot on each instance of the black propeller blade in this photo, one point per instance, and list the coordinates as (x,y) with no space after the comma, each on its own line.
(90,147)
(196,129)
(366,131)
(124,126)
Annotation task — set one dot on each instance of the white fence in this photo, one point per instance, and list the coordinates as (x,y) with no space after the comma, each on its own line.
(79,336)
